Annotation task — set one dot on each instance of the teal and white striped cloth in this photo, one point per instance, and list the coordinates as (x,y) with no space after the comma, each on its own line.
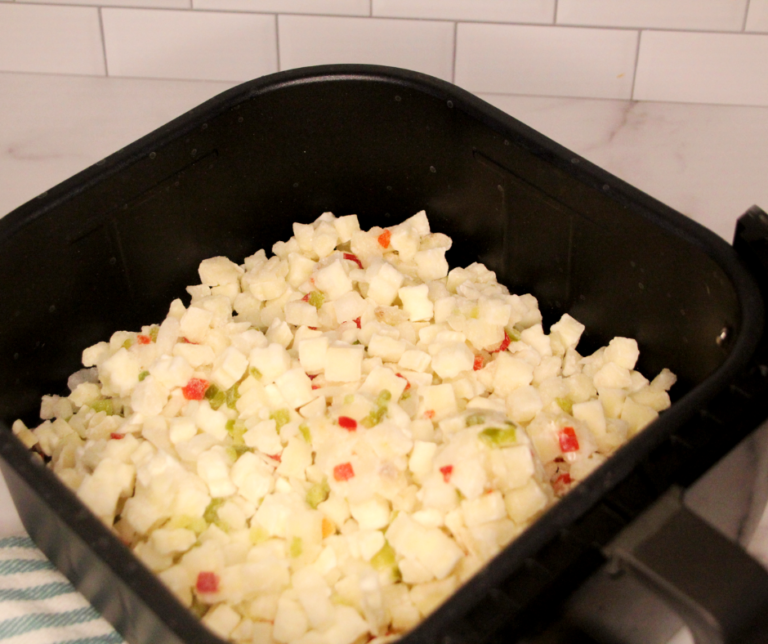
(38,605)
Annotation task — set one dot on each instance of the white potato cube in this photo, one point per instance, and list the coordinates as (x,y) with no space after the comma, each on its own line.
(523,404)
(195,323)
(510,373)
(346,226)
(525,502)
(452,359)
(592,413)
(222,620)
(384,283)
(348,626)
(381,378)
(343,363)
(196,355)
(623,352)
(290,621)
(219,270)
(271,361)
(637,415)
(211,421)
(664,380)
(312,354)
(149,397)
(483,509)
(420,461)
(263,436)
(656,399)
(565,334)
(431,264)
(228,368)
(415,360)
(416,302)
(372,514)
(612,375)
(300,269)
(300,313)
(296,387)
(333,280)
(437,402)
(612,399)
(181,428)
(349,307)
(95,354)
(386,348)
(325,239)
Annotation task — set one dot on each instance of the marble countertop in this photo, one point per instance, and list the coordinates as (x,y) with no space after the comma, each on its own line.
(709,162)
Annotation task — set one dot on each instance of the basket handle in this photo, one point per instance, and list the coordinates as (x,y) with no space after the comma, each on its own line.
(716,588)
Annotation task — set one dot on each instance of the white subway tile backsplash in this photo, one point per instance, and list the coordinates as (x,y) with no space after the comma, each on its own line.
(56,40)
(153,4)
(718,15)
(536,11)
(330,7)
(702,68)
(189,45)
(757,18)
(547,61)
(420,45)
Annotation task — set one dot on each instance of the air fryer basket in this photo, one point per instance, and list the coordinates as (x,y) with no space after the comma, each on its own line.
(110,248)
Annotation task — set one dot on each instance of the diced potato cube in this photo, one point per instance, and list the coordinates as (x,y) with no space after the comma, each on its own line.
(384,282)
(483,509)
(431,264)
(296,387)
(416,302)
(420,461)
(333,280)
(565,334)
(300,313)
(219,270)
(638,416)
(523,404)
(386,348)
(452,359)
(623,352)
(591,412)
(510,373)
(290,621)
(612,375)
(525,502)
(343,363)
(346,226)
(195,323)
(271,361)
(121,372)
(372,514)
(656,399)
(437,401)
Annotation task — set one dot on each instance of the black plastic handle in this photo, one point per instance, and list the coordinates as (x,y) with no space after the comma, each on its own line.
(708,580)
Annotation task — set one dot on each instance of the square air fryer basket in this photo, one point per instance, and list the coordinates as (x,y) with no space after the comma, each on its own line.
(111,247)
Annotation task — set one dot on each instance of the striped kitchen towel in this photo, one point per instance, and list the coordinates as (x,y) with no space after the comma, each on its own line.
(39,606)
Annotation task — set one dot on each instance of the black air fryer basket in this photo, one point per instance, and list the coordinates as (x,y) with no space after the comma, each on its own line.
(645,544)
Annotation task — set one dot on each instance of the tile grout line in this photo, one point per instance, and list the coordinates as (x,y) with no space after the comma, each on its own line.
(746,15)
(637,62)
(277,41)
(455,51)
(103,41)
(554,15)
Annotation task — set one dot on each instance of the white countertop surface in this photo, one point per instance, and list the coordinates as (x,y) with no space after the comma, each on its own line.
(709,162)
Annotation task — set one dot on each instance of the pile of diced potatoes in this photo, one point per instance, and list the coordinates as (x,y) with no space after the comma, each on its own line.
(325,443)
